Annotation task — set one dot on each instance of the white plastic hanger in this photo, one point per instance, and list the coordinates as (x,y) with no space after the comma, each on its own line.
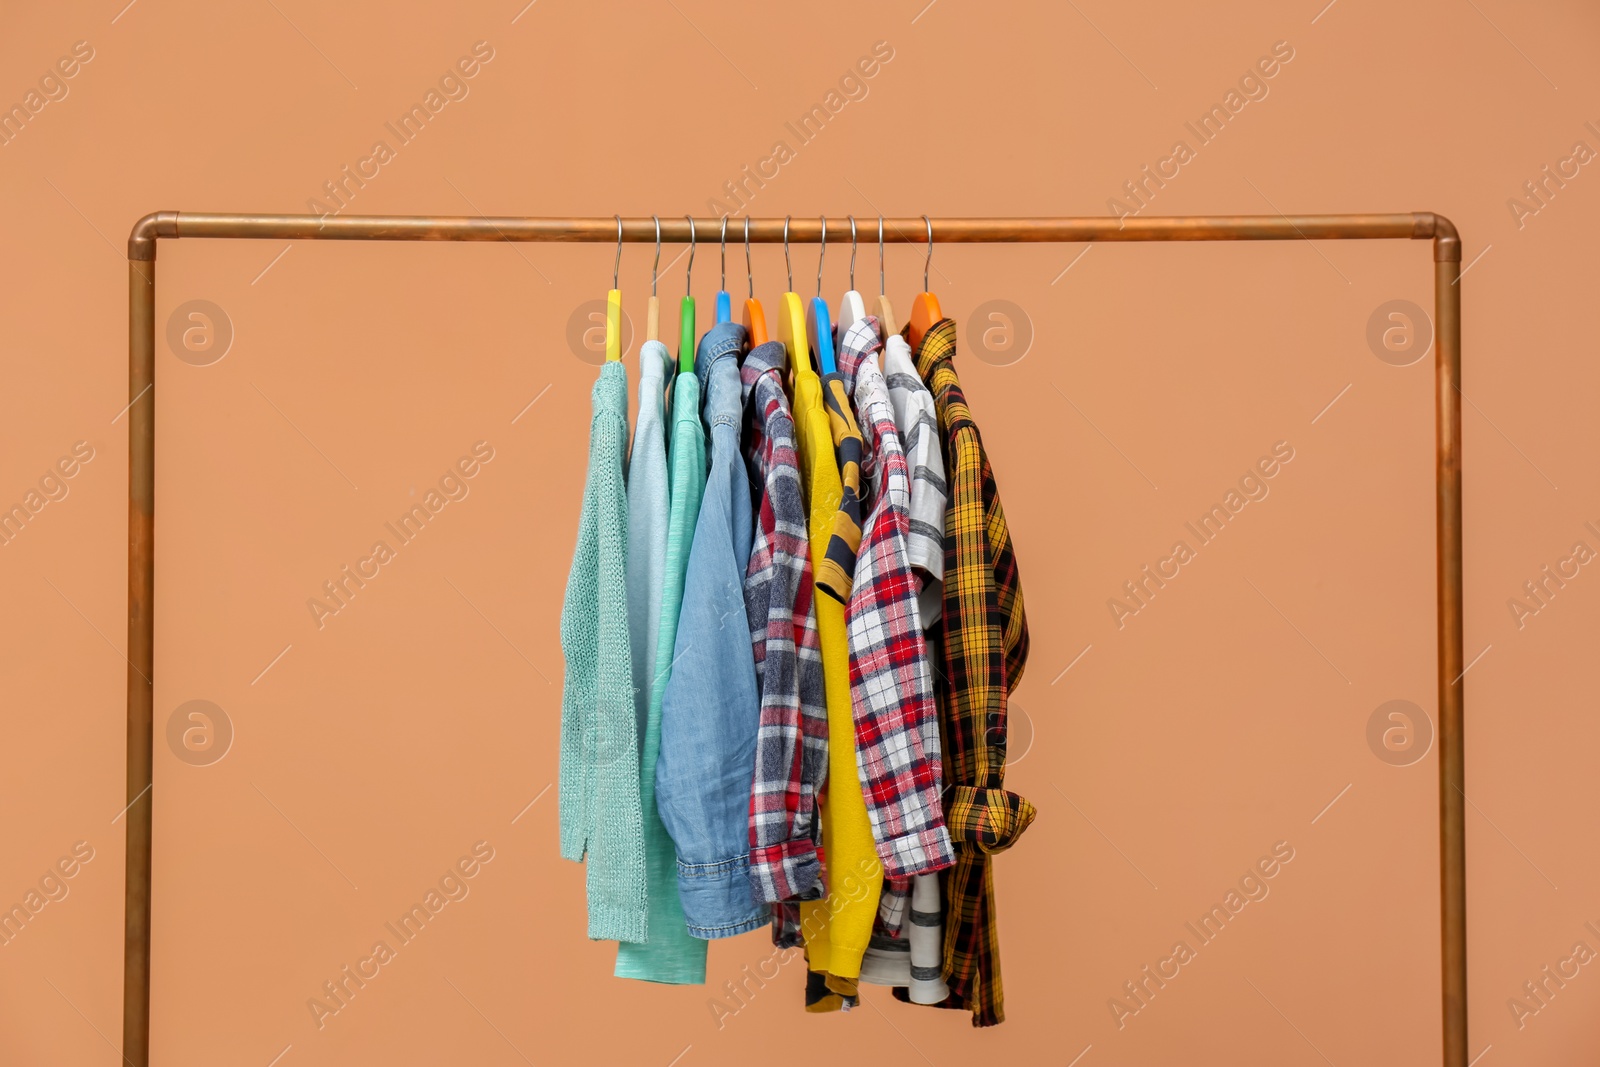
(852,309)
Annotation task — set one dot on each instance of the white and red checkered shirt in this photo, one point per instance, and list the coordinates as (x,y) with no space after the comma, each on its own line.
(891,681)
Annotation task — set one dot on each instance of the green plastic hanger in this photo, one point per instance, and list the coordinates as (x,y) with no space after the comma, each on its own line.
(686,311)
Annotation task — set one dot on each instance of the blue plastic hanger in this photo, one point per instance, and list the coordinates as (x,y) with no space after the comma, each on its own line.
(821,331)
(724,301)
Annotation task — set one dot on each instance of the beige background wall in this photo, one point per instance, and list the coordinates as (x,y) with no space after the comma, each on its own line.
(1228,715)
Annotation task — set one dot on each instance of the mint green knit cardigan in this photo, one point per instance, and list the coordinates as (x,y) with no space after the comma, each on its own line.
(600,807)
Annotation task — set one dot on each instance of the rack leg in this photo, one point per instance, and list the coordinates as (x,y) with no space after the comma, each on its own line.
(141,416)
(1452,783)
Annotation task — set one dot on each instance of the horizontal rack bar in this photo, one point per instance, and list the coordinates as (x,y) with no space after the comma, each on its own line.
(1416,225)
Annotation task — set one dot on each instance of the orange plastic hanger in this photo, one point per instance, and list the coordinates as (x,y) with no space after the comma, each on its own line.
(925,308)
(652,319)
(885,312)
(755,319)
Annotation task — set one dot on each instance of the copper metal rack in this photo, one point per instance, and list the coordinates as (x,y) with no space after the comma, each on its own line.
(1419,225)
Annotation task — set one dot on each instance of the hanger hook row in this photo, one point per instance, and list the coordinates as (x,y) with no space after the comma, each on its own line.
(749,272)
(822,254)
(656,267)
(926,263)
(688,272)
(788,266)
(852,252)
(616,268)
(880,255)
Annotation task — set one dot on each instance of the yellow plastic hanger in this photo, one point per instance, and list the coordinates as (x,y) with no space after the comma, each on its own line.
(614,305)
(792,318)
(686,310)
(925,308)
(652,319)
(885,312)
(755,319)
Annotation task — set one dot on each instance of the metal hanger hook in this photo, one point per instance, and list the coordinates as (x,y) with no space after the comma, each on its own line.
(749,272)
(688,272)
(880,255)
(926,263)
(656,268)
(724,286)
(616,268)
(788,266)
(822,254)
(852,253)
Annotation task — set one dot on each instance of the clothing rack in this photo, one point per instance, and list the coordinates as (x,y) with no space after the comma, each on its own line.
(1422,225)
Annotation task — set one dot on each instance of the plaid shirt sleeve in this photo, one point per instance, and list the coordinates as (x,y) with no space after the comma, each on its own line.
(836,572)
(984,638)
(792,732)
(891,683)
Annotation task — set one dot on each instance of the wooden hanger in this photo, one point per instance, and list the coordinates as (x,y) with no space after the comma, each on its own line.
(792,319)
(885,312)
(925,308)
(652,319)
(755,319)
(852,309)
(686,311)
(821,332)
(614,305)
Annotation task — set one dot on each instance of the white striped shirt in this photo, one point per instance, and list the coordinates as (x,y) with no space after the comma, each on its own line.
(914,417)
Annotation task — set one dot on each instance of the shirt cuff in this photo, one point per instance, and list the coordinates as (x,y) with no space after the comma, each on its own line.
(716,898)
(986,820)
(918,852)
(788,870)
(613,922)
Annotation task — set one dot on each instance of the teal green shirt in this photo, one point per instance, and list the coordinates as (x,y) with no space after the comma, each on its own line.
(670,954)
(600,803)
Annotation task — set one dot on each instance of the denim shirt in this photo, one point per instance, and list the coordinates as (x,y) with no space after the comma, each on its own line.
(711,708)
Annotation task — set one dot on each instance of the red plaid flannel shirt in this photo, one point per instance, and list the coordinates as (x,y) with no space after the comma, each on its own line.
(891,684)
(792,733)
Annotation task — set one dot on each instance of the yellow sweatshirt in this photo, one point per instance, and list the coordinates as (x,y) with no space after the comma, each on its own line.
(836,930)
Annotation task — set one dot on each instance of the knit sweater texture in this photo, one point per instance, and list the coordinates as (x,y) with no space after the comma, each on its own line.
(599,769)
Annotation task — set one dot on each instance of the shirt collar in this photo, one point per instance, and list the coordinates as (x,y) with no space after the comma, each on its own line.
(938,346)
(722,341)
(654,359)
(767,356)
(859,343)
